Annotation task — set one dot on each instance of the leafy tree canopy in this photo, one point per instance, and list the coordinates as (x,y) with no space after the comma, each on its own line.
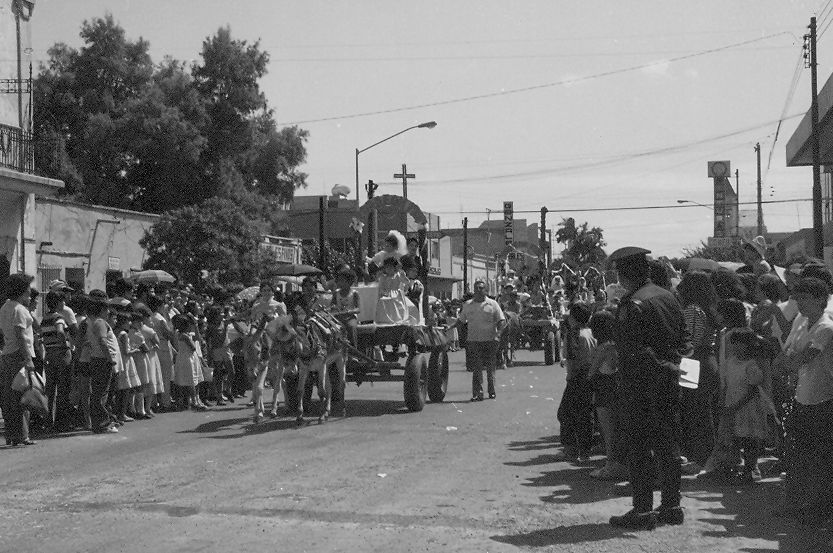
(215,237)
(583,246)
(155,137)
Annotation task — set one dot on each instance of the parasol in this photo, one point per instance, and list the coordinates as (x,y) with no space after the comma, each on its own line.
(295,270)
(700,264)
(152,276)
(248,294)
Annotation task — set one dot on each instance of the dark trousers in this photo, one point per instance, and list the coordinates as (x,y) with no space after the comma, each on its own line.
(101,374)
(58,387)
(810,468)
(480,356)
(698,430)
(17,427)
(239,380)
(652,435)
(575,415)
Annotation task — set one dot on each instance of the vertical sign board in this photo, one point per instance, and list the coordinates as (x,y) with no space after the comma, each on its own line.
(719,208)
(508,215)
(719,171)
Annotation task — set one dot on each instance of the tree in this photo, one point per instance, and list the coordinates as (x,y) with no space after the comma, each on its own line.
(215,236)
(732,253)
(583,246)
(136,135)
(335,259)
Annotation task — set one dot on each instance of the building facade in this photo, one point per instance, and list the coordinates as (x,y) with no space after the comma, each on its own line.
(19,182)
(87,245)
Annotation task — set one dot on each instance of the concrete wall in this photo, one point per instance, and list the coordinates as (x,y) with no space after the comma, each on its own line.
(94,238)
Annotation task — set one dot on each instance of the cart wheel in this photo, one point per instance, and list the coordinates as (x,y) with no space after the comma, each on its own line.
(415,388)
(549,348)
(290,391)
(437,375)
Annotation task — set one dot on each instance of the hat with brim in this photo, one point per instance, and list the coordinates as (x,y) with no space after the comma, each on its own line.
(626,252)
(59,286)
(758,244)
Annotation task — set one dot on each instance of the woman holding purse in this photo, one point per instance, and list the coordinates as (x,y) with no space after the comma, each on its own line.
(18,352)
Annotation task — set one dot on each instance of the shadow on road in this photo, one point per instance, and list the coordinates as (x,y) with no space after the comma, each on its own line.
(746,511)
(541,443)
(563,535)
(286,421)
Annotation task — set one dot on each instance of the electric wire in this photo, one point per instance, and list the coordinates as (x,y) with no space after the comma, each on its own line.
(608,162)
(797,72)
(539,86)
(619,208)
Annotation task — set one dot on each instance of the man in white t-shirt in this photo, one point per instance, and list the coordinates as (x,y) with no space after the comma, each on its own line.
(485,320)
(809,354)
(18,350)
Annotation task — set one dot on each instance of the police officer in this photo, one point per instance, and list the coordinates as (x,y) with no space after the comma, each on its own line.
(651,338)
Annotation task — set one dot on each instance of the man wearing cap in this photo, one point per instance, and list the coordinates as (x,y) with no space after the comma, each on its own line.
(66,312)
(651,338)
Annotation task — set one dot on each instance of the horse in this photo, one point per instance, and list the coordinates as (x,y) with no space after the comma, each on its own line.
(509,339)
(311,346)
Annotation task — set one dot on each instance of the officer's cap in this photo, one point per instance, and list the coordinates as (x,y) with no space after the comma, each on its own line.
(626,252)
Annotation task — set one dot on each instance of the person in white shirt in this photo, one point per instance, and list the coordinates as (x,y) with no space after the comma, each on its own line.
(18,352)
(809,354)
(485,320)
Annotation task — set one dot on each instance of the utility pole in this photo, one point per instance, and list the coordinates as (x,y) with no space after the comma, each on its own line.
(404,175)
(371,187)
(760,205)
(322,233)
(737,203)
(818,229)
(465,255)
(542,243)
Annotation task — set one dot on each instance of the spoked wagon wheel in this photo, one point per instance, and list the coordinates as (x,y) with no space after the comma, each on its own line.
(438,375)
(415,388)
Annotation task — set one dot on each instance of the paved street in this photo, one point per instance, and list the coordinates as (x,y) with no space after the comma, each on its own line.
(456,477)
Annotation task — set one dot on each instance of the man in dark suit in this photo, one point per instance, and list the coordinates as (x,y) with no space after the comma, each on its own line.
(651,338)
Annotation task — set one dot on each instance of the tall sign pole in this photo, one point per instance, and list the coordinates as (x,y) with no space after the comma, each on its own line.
(465,255)
(818,229)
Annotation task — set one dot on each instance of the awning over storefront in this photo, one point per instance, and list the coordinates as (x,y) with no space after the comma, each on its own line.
(800,147)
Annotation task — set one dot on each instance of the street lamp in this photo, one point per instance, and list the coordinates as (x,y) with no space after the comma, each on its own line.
(695,203)
(428,125)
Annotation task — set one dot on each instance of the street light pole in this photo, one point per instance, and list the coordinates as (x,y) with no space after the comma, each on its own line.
(428,125)
(695,203)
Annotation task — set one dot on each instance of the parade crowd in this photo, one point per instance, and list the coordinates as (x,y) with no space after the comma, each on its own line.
(697,373)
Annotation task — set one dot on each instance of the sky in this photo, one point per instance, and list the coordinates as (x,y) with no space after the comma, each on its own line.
(574,106)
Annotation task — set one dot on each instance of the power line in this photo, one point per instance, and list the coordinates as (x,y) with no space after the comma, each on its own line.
(621,208)
(797,72)
(608,162)
(500,56)
(541,86)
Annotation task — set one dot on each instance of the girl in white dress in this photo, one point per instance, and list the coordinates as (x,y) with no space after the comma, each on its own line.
(137,342)
(154,385)
(392,307)
(744,378)
(188,366)
(128,381)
